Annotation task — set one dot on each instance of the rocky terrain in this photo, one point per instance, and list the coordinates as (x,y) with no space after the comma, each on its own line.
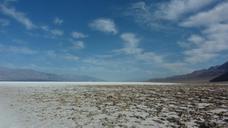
(173,106)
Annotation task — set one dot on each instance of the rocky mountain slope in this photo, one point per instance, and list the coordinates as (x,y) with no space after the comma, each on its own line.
(223,77)
(205,75)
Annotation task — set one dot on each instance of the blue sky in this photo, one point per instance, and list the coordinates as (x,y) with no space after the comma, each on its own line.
(114,40)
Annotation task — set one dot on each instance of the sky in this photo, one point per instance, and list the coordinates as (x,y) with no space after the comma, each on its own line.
(114,40)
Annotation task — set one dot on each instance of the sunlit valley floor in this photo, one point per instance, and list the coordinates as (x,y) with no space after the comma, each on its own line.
(133,106)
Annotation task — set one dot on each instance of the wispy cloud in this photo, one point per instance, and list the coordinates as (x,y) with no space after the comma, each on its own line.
(131,47)
(154,16)
(57,32)
(142,14)
(8,2)
(65,56)
(104,25)
(4,22)
(78,35)
(177,9)
(70,57)
(45,28)
(18,16)
(51,32)
(24,20)
(78,44)
(16,49)
(208,18)
(58,21)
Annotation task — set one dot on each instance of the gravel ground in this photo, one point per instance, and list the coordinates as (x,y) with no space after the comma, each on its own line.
(126,106)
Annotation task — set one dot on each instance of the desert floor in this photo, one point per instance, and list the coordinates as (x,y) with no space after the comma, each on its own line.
(114,106)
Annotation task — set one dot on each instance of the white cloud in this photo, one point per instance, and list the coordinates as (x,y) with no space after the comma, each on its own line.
(212,40)
(58,21)
(78,35)
(196,39)
(16,49)
(130,39)
(208,18)
(131,43)
(78,45)
(4,22)
(57,32)
(198,56)
(192,41)
(217,28)
(176,9)
(104,25)
(18,16)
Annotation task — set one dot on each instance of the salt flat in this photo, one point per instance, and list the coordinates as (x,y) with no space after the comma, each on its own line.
(71,105)
(31,84)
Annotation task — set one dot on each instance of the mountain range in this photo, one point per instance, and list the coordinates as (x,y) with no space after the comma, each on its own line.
(9,74)
(217,73)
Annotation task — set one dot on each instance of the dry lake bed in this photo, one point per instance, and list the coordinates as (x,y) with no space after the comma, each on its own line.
(112,105)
